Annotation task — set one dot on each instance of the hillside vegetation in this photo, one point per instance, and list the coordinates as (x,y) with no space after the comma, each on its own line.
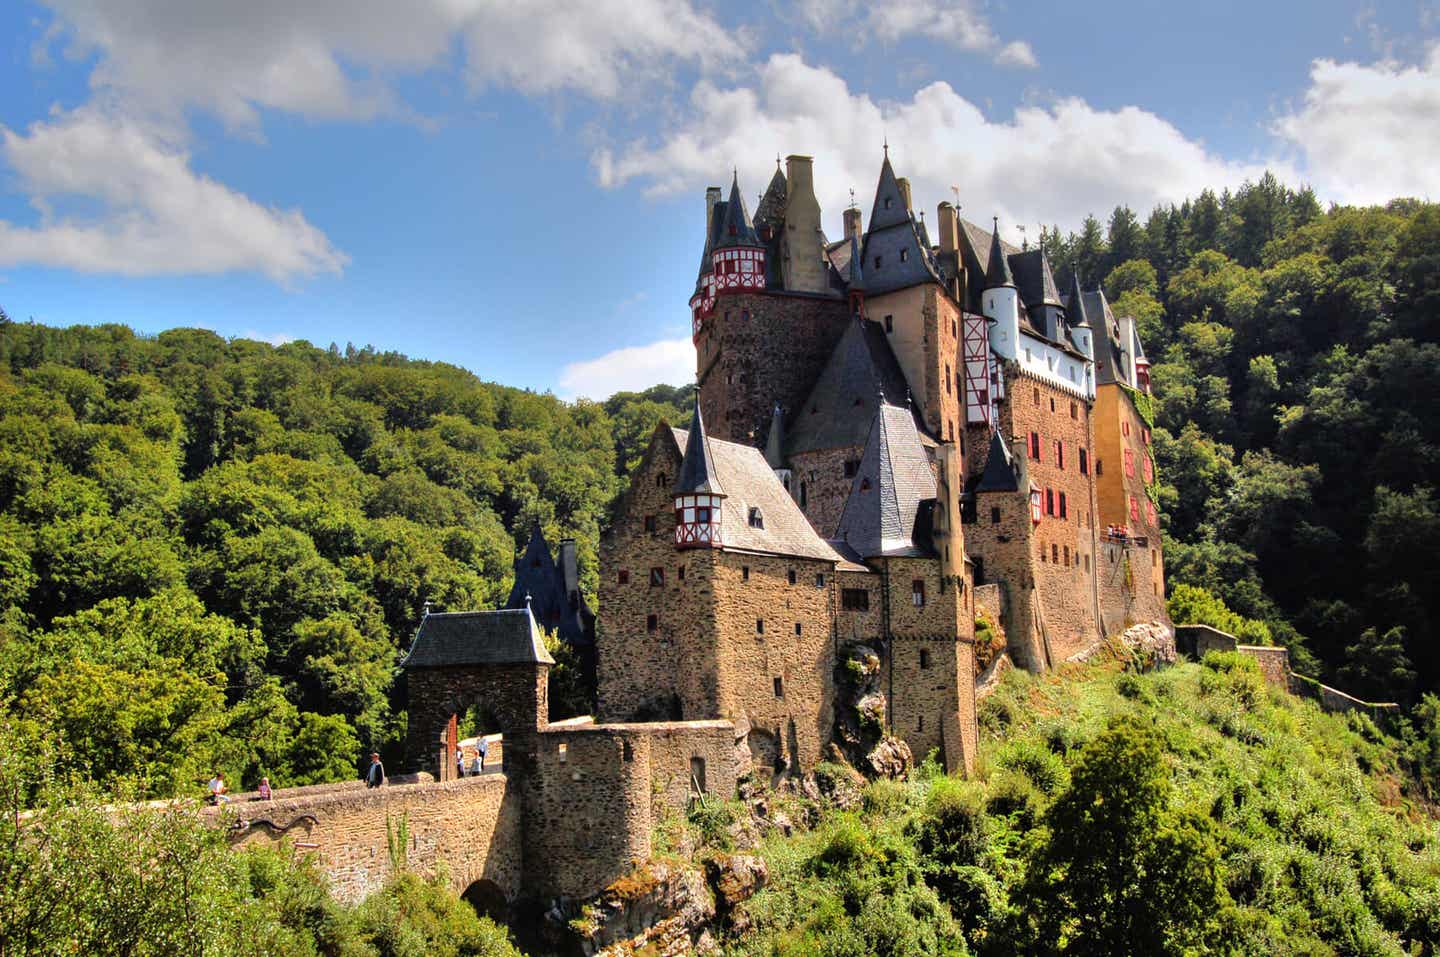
(212,552)
(1193,810)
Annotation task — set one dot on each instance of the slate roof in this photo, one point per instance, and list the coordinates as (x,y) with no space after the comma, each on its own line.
(838,411)
(775,440)
(449,639)
(1034,279)
(997,271)
(717,217)
(697,471)
(737,229)
(771,209)
(553,589)
(750,483)
(999,474)
(897,239)
(1110,358)
(889,506)
(1075,312)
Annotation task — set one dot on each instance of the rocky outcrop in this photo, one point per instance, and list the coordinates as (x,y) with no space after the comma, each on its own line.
(860,738)
(667,909)
(1149,644)
(989,680)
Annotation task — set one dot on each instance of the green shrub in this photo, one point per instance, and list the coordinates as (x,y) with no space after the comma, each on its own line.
(1042,766)
(1013,795)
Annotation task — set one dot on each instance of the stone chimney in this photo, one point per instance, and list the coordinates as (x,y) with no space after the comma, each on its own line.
(570,570)
(852,223)
(904,184)
(712,196)
(948,223)
(803,260)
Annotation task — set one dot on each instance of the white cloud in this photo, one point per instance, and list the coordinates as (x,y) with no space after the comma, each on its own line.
(959,23)
(335,59)
(1051,164)
(137,208)
(633,368)
(274,338)
(1370,133)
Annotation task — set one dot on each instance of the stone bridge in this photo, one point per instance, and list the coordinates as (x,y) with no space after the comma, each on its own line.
(570,808)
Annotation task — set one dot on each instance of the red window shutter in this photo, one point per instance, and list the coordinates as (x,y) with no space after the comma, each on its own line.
(1147,469)
(1134,509)
(1130,463)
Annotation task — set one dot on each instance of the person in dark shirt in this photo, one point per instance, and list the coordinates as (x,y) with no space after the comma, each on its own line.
(375,774)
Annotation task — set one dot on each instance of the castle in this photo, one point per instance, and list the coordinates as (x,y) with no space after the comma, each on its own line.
(889,438)
(884,427)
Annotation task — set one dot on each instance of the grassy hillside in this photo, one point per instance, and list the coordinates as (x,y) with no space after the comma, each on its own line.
(1193,810)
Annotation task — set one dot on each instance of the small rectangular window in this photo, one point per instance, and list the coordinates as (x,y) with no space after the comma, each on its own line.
(1074,410)
(854,599)
(1065,553)
(623,576)
(924,658)
(652,622)
(779,686)
(1084,462)
(1060,454)
(756,519)
(851,467)
(790,576)
(995,515)
(564,751)
(819,579)
(1049,501)
(650,523)
(744,573)
(1064,513)
(889,323)
(917,592)
(1087,564)
(759,626)
(1055,553)
(657,577)
(798,629)
(680,573)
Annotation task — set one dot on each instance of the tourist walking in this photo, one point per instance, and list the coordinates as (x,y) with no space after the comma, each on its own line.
(217,788)
(481,750)
(375,775)
(264,790)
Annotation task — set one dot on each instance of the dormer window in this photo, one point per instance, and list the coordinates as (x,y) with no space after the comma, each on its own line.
(878,261)
(889,201)
(904,255)
(756,519)
(864,485)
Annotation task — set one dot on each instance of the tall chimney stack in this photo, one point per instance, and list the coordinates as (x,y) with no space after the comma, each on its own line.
(803,265)
(852,223)
(904,184)
(949,225)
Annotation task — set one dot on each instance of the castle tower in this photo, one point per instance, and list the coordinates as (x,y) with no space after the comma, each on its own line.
(738,256)
(698,494)
(1001,302)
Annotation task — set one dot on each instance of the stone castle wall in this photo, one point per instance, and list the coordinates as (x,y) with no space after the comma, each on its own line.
(826,486)
(472,826)
(516,696)
(758,349)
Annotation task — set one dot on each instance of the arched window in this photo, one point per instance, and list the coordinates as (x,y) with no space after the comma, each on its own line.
(660,480)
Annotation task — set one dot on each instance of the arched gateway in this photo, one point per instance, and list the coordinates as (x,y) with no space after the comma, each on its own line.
(494,659)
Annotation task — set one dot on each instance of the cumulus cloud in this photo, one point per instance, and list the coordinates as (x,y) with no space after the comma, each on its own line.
(959,23)
(113,196)
(1370,133)
(1050,164)
(335,59)
(633,368)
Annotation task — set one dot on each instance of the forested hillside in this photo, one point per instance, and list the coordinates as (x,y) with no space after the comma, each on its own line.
(212,552)
(1296,369)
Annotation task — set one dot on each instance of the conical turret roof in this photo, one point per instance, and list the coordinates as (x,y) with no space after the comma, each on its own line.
(886,512)
(889,209)
(771,210)
(775,441)
(1075,308)
(999,474)
(697,469)
(999,274)
(737,229)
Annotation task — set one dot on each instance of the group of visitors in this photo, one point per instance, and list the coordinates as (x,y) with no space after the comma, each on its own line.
(475,765)
(218,792)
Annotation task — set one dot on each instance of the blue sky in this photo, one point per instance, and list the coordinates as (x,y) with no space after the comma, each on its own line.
(518,187)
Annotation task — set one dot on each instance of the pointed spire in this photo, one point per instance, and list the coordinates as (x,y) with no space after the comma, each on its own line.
(771,209)
(737,229)
(999,474)
(775,441)
(697,469)
(1075,311)
(889,208)
(999,272)
(893,481)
